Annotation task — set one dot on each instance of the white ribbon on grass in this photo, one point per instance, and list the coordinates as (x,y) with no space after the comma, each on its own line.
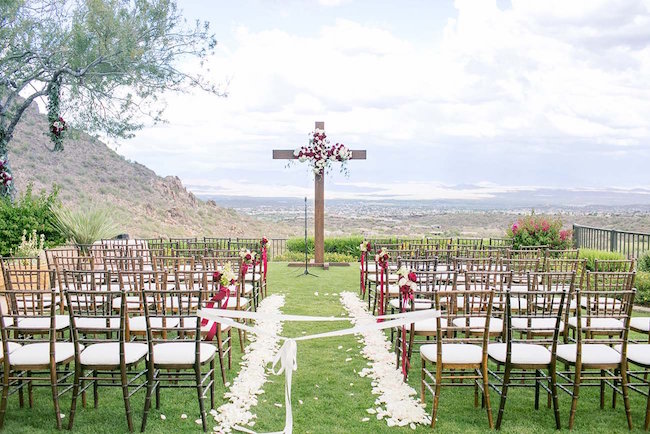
(286,357)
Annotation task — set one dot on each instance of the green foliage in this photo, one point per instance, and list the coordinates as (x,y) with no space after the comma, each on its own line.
(31,246)
(28,213)
(344,245)
(533,230)
(642,284)
(602,255)
(85,226)
(329,257)
(644,262)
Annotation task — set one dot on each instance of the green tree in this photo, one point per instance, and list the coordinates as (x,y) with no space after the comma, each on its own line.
(102,63)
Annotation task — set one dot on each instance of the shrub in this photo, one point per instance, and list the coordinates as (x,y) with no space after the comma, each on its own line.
(30,247)
(642,284)
(300,257)
(644,262)
(533,230)
(602,255)
(85,226)
(29,212)
(343,245)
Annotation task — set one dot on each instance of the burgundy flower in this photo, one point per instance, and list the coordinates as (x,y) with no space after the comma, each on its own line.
(216,276)
(413,277)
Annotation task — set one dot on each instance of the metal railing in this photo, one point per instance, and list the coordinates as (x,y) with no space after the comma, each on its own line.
(630,244)
(278,247)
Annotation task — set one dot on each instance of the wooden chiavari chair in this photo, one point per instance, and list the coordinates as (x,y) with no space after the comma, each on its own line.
(600,328)
(35,353)
(104,351)
(134,284)
(460,351)
(177,355)
(528,355)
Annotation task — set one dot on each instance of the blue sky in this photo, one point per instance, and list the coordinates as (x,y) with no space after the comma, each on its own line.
(451,99)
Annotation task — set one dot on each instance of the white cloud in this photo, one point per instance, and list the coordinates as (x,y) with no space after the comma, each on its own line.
(540,76)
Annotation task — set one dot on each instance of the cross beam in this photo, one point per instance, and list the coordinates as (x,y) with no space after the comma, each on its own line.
(319,197)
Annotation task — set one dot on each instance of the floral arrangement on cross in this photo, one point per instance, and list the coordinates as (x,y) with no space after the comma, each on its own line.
(320,154)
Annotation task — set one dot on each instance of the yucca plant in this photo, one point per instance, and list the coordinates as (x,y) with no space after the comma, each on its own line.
(85,226)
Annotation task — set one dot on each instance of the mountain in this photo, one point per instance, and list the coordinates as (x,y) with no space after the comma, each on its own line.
(146,205)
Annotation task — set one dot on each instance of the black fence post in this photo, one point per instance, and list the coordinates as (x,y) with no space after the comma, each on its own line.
(613,240)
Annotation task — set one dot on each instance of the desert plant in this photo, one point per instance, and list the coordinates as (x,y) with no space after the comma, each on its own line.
(85,226)
(30,247)
(533,230)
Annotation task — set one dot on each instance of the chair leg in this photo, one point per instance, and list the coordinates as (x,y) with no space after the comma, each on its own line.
(241,339)
(602,389)
(30,393)
(436,396)
(486,394)
(125,394)
(199,391)
(55,394)
(504,395)
(556,404)
(75,391)
(646,424)
(220,351)
(147,399)
(95,391)
(5,394)
(626,396)
(575,395)
(230,348)
(423,377)
(21,394)
(213,377)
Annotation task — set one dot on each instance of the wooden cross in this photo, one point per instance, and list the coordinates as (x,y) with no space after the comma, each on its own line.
(319,197)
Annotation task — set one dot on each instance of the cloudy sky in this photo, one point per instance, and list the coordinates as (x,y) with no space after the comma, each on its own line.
(452,99)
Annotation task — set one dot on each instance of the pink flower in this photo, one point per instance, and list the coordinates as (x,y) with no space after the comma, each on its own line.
(564,235)
(545,226)
(515,228)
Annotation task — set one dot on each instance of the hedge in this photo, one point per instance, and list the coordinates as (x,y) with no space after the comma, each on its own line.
(642,284)
(329,257)
(602,255)
(342,245)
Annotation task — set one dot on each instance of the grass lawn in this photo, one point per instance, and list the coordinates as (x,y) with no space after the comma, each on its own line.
(334,397)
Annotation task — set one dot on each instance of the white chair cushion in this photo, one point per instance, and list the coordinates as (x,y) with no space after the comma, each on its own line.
(522,354)
(641,323)
(181,353)
(419,304)
(516,303)
(13,346)
(376,278)
(108,353)
(173,302)
(43,322)
(637,353)
(598,323)
(591,354)
(477,324)
(39,354)
(232,302)
(454,354)
(542,324)
(97,323)
(132,302)
(556,303)
(429,325)
(190,323)
(603,302)
(139,323)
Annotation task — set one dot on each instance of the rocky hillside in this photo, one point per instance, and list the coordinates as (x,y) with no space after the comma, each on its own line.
(145,204)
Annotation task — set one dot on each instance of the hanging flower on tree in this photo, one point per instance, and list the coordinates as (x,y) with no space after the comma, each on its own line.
(5,176)
(320,155)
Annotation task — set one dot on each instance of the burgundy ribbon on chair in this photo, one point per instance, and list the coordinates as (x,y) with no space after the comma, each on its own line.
(363,279)
(383,265)
(265,261)
(407,296)
(223,294)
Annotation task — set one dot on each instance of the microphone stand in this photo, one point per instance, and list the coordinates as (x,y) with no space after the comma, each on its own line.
(306,272)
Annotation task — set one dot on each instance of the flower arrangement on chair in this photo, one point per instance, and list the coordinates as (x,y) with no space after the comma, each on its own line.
(364,247)
(247,256)
(321,155)
(407,286)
